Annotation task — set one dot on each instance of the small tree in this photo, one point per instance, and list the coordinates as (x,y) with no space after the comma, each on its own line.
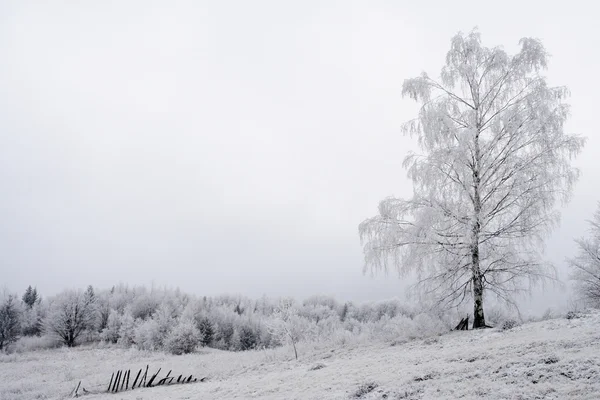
(9,320)
(224,334)
(30,297)
(32,320)
(286,326)
(248,338)
(127,329)
(71,313)
(207,330)
(495,162)
(586,265)
(344,312)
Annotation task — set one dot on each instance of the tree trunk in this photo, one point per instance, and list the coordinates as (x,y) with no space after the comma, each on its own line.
(478,317)
(295,351)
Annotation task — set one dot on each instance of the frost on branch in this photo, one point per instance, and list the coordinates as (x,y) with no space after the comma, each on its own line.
(71,313)
(287,326)
(494,163)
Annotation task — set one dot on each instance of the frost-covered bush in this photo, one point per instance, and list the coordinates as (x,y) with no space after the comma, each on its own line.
(342,338)
(127,329)
(550,313)
(325,328)
(509,323)
(32,320)
(495,315)
(113,324)
(144,306)
(572,315)
(317,313)
(427,325)
(152,333)
(183,338)
(247,338)
(224,334)
(33,343)
(147,335)
(395,329)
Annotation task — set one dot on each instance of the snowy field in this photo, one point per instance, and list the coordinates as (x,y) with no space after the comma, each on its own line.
(554,359)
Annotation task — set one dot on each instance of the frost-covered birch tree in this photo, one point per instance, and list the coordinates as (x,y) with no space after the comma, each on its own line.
(586,265)
(494,162)
(286,326)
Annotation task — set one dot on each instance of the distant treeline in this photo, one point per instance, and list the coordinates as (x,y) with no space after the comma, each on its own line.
(170,320)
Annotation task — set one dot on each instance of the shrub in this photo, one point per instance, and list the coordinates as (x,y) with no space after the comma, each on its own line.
(127,329)
(183,338)
(509,324)
(550,313)
(427,326)
(248,338)
(364,389)
(225,333)
(113,324)
(31,320)
(32,343)
(152,333)
(572,315)
(147,336)
(144,306)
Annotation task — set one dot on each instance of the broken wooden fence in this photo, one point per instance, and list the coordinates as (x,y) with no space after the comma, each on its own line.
(119,381)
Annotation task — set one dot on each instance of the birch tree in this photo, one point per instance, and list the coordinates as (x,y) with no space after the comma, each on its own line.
(286,326)
(494,162)
(586,265)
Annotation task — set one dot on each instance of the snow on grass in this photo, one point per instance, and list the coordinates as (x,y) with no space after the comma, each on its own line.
(555,359)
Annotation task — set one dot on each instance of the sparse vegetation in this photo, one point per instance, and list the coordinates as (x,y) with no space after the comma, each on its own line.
(365,389)
(509,324)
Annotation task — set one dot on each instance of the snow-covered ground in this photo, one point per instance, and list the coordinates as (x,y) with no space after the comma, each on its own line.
(555,359)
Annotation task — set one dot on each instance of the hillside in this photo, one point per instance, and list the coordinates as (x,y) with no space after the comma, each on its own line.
(554,359)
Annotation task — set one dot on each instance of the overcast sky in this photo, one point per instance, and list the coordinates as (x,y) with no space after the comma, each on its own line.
(235,146)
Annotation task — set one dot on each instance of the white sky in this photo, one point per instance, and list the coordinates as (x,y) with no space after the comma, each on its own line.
(235,146)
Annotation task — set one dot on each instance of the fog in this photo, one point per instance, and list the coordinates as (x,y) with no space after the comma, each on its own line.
(234,147)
